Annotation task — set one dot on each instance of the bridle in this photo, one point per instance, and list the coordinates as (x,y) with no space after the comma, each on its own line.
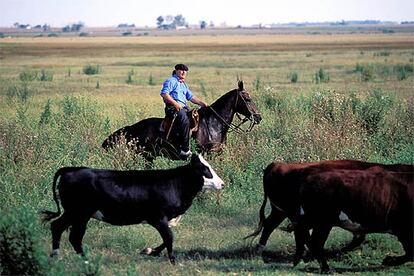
(234,127)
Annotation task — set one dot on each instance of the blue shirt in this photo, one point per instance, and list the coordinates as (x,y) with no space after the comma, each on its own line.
(179,91)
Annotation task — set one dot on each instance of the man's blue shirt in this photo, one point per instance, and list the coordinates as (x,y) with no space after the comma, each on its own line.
(179,91)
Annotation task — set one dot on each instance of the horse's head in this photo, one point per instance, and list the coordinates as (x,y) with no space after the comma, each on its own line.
(245,105)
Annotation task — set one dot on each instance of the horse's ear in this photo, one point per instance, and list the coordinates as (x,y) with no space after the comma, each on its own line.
(241,85)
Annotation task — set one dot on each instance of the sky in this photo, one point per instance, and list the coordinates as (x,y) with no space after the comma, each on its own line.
(106,13)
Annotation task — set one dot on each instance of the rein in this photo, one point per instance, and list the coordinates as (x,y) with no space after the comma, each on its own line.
(232,126)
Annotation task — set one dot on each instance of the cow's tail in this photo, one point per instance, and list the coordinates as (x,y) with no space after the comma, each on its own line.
(262,208)
(261,220)
(47,215)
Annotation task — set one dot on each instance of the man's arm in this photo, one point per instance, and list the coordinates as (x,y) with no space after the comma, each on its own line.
(198,101)
(168,99)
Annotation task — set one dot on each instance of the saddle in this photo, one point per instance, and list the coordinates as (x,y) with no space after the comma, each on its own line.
(193,117)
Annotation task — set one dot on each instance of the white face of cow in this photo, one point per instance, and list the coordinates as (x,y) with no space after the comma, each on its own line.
(215,182)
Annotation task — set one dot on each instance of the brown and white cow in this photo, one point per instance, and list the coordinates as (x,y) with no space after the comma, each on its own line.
(380,201)
(282,183)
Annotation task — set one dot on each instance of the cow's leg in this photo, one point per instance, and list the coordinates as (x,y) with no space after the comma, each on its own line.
(167,238)
(319,236)
(269,224)
(57,227)
(76,234)
(301,232)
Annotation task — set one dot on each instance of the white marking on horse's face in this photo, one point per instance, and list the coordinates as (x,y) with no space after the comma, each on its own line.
(215,182)
(301,211)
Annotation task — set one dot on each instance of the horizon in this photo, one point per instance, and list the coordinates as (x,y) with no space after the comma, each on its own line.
(111,13)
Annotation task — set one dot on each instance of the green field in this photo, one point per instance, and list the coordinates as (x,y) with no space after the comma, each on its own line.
(321,96)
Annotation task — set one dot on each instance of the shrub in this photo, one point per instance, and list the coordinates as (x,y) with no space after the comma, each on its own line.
(151,80)
(403,71)
(126,33)
(129,79)
(45,76)
(321,76)
(46,114)
(257,83)
(373,110)
(22,93)
(83,34)
(294,77)
(20,252)
(28,75)
(367,73)
(91,69)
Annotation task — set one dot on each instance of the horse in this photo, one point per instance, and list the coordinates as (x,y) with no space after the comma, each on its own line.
(214,122)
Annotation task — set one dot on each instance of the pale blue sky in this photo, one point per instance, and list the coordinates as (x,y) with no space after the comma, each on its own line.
(233,12)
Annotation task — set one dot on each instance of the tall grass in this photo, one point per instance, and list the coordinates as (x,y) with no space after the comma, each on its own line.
(62,122)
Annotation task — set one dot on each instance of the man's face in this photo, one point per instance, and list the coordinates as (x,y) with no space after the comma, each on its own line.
(181,74)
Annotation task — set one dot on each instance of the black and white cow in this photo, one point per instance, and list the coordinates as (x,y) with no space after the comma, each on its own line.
(125,198)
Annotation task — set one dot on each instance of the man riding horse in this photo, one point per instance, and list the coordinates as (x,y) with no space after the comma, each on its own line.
(176,93)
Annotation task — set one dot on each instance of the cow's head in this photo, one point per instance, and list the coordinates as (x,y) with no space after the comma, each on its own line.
(211,179)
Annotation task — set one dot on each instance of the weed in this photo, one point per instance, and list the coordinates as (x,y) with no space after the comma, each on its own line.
(91,69)
(20,252)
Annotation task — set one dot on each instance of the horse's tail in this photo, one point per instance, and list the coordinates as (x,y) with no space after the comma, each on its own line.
(49,215)
(113,139)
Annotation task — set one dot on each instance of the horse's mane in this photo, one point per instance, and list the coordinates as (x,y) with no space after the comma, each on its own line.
(219,102)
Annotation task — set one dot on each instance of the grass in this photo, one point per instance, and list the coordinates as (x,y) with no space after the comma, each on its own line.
(61,122)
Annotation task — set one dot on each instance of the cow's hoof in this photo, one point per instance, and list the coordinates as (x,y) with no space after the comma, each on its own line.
(54,254)
(147,251)
(258,249)
(394,260)
(172,260)
(296,260)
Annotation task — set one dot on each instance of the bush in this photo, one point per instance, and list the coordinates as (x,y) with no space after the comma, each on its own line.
(45,76)
(367,73)
(28,75)
(91,69)
(374,109)
(321,76)
(294,77)
(129,79)
(20,252)
(403,71)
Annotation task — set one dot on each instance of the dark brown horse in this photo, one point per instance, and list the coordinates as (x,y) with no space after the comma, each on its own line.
(215,121)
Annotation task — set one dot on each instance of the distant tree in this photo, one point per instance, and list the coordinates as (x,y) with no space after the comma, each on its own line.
(179,20)
(46,27)
(16,24)
(160,21)
(203,24)
(211,24)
